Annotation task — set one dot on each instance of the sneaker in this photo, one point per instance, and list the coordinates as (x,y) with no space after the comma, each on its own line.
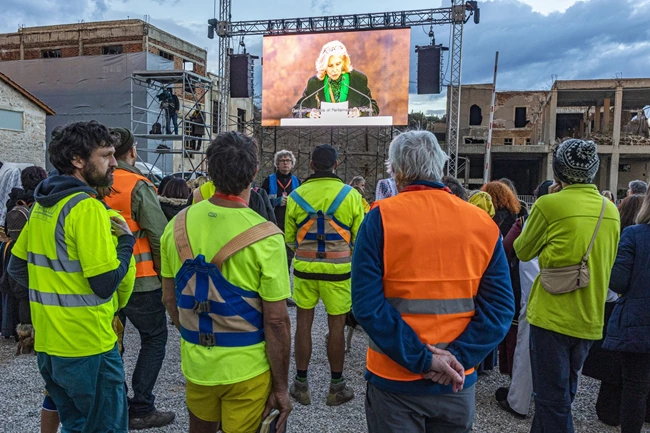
(506,406)
(339,393)
(156,418)
(300,391)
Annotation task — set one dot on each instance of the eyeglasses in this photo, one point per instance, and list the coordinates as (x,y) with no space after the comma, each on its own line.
(284,161)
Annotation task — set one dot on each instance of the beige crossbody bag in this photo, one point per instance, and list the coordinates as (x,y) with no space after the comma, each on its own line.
(569,278)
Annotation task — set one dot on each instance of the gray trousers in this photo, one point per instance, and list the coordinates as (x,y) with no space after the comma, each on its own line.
(387,412)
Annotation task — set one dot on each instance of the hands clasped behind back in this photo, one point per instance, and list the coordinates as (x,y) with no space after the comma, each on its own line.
(445,369)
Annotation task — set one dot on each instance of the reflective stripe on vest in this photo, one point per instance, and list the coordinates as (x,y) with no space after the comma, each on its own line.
(321,237)
(69,300)
(123,184)
(430,276)
(62,262)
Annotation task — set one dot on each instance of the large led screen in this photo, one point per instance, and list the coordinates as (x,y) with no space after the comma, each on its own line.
(343,78)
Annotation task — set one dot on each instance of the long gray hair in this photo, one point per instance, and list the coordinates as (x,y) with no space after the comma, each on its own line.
(415,155)
(644,214)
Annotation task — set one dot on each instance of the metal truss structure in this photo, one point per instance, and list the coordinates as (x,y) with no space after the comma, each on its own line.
(146,109)
(362,150)
(456,15)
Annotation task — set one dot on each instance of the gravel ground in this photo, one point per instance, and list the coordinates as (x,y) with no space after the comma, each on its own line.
(22,391)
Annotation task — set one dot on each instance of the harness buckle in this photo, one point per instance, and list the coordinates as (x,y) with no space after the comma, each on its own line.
(201,307)
(321,237)
(206,340)
(321,255)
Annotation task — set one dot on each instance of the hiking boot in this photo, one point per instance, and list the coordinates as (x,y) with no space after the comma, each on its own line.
(300,391)
(156,418)
(339,393)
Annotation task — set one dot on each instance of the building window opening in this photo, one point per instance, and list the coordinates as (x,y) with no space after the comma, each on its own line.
(166,55)
(241,120)
(475,116)
(112,50)
(507,141)
(50,54)
(520,117)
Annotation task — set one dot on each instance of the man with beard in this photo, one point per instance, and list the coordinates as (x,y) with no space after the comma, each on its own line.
(135,198)
(67,257)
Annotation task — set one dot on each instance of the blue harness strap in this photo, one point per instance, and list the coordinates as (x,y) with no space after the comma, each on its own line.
(302,203)
(338,200)
(234,306)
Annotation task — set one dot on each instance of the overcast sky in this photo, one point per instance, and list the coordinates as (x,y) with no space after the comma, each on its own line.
(537,39)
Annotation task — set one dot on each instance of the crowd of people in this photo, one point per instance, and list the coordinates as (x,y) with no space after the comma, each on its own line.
(446,282)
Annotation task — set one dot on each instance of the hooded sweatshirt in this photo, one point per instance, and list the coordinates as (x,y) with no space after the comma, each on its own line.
(49,193)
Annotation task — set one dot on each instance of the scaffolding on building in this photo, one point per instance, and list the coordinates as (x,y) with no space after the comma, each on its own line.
(185,142)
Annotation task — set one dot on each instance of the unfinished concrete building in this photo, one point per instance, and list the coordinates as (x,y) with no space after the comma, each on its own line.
(83,71)
(527,125)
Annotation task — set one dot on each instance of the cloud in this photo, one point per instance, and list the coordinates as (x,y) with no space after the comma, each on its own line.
(16,13)
(590,39)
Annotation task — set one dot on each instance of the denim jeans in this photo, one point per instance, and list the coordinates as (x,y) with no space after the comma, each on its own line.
(147,313)
(636,385)
(171,116)
(88,392)
(556,360)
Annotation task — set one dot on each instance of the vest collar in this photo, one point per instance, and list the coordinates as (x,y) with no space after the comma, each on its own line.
(420,185)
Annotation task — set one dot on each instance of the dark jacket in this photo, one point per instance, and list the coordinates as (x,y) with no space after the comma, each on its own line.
(279,211)
(505,220)
(358,81)
(171,206)
(629,327)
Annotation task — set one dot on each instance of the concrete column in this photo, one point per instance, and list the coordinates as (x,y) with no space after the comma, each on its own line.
(22,46)
(552,118)
(606,107)
(597,118)
(618,111)
(549,166)
(613,171)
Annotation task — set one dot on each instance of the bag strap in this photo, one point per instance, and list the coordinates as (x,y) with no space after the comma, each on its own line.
(197,195)
(593,238)
(181,239)
(243,240)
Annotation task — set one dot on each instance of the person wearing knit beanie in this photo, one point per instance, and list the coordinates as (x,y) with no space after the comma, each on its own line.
(576,161)
(126,141)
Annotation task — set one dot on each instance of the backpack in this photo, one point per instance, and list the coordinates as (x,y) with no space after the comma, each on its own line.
(156,128)
(213,311)
(17,218)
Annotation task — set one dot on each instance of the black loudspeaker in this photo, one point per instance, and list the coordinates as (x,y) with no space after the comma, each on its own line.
(241,85)
(428,70)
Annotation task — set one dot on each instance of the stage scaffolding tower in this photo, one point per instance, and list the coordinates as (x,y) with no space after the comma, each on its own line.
(457,15)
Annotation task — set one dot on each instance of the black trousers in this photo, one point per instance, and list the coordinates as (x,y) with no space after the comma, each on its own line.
(636,385)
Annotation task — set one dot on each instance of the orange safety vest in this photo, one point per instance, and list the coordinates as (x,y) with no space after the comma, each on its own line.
(123,184)
(436,249)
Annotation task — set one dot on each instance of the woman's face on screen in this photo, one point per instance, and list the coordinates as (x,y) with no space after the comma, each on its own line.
(335,67)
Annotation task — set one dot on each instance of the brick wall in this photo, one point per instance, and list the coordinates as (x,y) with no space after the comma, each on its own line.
(132,48)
